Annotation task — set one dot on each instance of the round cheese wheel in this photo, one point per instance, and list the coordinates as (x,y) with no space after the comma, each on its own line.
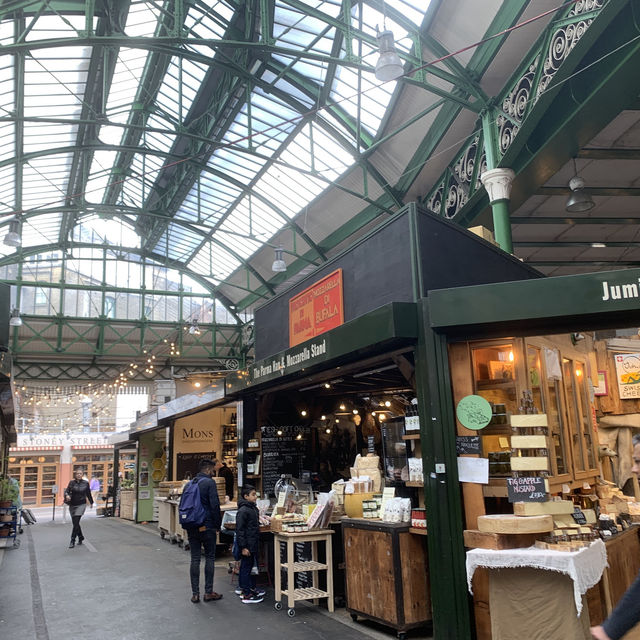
(506,523)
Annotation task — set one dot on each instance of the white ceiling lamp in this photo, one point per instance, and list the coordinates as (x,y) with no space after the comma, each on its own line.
(579,200)
(194,329)
(279,265)
(14,235)
(389,66)
(15,320)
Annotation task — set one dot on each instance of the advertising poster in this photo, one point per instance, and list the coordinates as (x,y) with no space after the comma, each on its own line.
(628,375)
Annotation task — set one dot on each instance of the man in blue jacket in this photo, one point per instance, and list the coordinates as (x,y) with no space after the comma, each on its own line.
(627,613)
(205,536)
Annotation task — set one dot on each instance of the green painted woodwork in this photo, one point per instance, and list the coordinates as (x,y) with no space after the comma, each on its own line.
(577,299)
(393,323)
(449,597)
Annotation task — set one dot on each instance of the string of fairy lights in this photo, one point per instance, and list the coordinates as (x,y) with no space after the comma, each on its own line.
(72,406)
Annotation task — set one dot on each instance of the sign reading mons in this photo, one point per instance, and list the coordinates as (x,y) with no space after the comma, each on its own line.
(316,309)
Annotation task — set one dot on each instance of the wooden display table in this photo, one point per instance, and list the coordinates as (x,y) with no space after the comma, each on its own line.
(386,573)
(544,589)
(292,567)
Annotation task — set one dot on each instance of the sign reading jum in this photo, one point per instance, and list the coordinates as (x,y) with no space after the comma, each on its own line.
(317,309)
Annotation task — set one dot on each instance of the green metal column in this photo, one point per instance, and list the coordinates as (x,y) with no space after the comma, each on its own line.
(502,225)
(499,206)
(449,597)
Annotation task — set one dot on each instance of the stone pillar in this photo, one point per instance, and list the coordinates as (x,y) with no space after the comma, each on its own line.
(498,183)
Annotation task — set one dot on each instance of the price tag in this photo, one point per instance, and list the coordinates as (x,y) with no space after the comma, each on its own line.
(527,489)
(282,496)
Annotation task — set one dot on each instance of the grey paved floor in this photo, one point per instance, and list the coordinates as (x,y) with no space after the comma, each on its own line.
(128,584)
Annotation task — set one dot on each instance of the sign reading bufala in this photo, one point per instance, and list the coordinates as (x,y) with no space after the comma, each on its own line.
(317,309)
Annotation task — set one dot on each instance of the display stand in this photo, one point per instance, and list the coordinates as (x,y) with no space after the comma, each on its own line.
(386,574)
(291,567)
(10,540)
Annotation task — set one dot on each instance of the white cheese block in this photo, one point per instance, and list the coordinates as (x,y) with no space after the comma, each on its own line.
(529,420)
(506,523)
(552,507)
(529,442)
(525,463)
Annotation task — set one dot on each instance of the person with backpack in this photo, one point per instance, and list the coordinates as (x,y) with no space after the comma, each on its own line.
(200,516)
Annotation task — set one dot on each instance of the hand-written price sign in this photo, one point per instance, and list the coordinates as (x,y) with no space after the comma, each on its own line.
(474,412)
(579,516)
(528,489)
(468,444)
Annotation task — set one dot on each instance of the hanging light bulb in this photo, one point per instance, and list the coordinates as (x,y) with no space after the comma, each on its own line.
(389,66)
(194,329)
(14,235)
(279,265)
(579,200)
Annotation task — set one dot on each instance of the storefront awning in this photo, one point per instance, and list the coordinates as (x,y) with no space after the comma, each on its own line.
(92,446)
(21,449)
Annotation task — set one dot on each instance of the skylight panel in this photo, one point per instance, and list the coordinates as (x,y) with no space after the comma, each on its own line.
(7,106)
(45,181)
(413,10)
(144,171)
(7,188)
(208,199)
(100,175)
(158,140)
(104,231)
(42,229)
(213,23)
(7,32)
(57,26)
(142,19)
(214,262)
(124,87)
(178,242)
(241,165)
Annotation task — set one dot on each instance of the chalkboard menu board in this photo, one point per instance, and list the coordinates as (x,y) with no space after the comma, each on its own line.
(527,489)
(284,450)
(468,444)
(187,463)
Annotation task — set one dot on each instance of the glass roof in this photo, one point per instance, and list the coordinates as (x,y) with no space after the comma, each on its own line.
(200,149)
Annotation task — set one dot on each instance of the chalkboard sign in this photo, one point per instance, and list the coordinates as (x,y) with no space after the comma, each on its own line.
(578,516)
(468,444)
(528,489)
(283,452)
(187,463)
(371,444)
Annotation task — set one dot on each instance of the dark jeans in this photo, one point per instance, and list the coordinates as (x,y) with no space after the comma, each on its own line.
(246,581)
(198,539)
(76,531)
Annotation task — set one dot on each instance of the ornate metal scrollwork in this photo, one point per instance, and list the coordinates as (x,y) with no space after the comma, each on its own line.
(515,104)
(434,203)
(564,39)
(457,197)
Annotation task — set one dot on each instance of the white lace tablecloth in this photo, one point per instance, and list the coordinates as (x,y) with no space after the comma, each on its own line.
(584,567)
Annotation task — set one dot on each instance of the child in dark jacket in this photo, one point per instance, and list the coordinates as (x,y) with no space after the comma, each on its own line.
(248,539)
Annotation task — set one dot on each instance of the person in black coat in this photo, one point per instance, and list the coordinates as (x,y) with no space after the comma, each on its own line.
(248,541)
(76,495)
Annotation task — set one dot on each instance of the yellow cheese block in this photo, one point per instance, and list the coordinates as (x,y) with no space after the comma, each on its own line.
(506,523)
(552,507)
(529,420)
(529,442)
(526,463)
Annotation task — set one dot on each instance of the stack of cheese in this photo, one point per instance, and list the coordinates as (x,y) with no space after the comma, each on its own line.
(613,502)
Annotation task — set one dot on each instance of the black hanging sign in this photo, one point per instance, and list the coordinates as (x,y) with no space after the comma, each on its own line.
(468,444)
(527,489)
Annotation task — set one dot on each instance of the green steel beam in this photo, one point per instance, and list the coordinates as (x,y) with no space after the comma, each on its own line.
(609,154)
(572,220)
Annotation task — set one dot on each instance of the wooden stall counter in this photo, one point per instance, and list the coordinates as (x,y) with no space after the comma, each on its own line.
(386,571)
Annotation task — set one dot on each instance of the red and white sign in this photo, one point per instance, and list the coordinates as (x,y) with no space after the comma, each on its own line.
(317,309)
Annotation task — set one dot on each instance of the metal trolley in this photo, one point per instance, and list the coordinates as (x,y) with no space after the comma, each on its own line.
(11,521)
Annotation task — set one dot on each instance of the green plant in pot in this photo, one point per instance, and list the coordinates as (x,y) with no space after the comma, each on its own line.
(9,492)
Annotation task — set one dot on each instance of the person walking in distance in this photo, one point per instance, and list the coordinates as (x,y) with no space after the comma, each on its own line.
(248,540)
(627,612)
(94,485)
(204,535)
(75,496)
